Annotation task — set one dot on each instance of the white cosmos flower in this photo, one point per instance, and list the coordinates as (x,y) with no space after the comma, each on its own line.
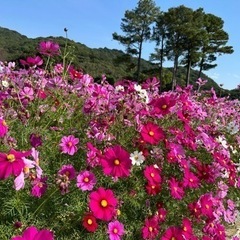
(137,158)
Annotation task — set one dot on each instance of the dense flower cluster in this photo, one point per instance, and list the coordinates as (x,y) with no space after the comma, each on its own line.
(129,162)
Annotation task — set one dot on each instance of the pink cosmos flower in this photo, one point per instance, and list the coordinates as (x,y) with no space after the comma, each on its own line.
(68,144)
(3,127)
(152,174)
(190,180)
(32,233)
(39,187)
(86,180)
(176,189)
(35,140)
(115,230)
(32,61)
(172,233)
(49,48)
(151,228)
(67,170)
(11,163)
(163,105)
(103,204)
(152,133)
(187,228)
(116,162)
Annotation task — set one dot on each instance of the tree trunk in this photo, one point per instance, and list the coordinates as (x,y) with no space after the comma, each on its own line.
(201,67)
(174,80)
(161,67)
(188,71)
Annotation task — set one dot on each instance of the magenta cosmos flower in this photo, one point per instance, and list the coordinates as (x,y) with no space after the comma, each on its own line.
(49,48)
(116,162)
(68,144)
(151,228)
(103,204)
(3,128)
(115,230)
(152,133)
(163,105)
(32,233)
(86,180)
(12,163)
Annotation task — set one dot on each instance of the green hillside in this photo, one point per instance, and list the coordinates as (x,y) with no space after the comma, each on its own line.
(115,64)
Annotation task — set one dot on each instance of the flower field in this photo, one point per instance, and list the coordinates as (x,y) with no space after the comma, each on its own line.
(87,160)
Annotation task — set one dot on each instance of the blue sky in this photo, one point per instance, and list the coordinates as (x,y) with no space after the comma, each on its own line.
(92,23)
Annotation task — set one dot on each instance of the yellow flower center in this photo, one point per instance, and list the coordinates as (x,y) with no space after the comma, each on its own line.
(173,238)
(152,175)
(86,179)
(26,169)
(115,230)
(4,123)
(150,229)
(104,203)
(67,173)
(185,229)
(69,143)
(89,221)
(116,162)
(164,106)
(151,133)
(11,158)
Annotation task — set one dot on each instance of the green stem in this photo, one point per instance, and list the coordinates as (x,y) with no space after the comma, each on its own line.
(39,207)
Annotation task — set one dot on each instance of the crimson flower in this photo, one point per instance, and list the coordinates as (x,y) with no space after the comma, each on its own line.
(153,188)
(89,222)
(116,162)
(103,204)
(32,233)
(49,48)
(152,133)
(12,163)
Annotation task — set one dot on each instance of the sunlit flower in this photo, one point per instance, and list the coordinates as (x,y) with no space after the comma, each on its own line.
(86,180)
(103,204)
(68,144)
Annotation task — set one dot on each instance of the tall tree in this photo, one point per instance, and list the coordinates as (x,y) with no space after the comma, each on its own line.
(215,43)
(136,25)
(177,20)
(193,34)
(159,36)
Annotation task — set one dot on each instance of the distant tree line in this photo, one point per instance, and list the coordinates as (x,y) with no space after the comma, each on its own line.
(190,38)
